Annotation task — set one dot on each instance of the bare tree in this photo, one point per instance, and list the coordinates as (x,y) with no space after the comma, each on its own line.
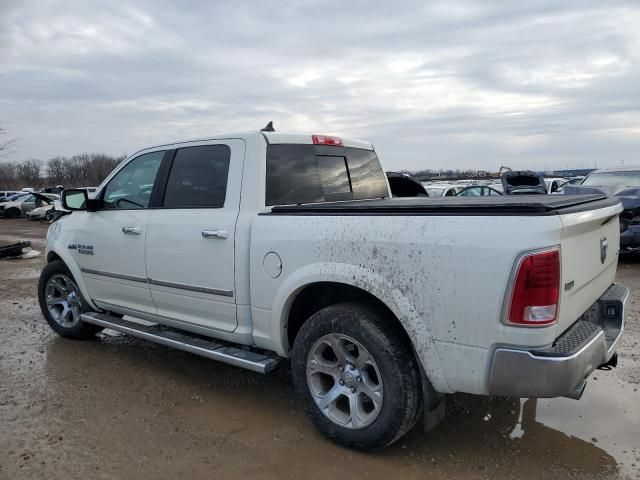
(84,170)
(6,145)
(8,176)
(29,173)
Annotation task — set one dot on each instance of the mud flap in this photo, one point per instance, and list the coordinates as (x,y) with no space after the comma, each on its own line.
(434,404)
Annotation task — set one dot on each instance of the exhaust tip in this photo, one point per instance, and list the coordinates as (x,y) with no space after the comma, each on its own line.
(576,392)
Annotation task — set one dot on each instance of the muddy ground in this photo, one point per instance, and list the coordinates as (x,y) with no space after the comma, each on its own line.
(119,407)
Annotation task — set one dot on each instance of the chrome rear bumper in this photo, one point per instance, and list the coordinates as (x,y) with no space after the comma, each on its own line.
(590,342)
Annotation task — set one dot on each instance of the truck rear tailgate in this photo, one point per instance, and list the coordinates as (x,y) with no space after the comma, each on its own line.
(589,252)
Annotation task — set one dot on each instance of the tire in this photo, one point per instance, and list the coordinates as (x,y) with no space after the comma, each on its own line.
(387,389)
(62,303)
(12,213)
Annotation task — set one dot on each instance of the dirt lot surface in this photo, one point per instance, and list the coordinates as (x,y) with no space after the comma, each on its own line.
(119,407)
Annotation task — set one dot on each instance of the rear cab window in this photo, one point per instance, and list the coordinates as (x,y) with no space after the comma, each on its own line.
(302,173)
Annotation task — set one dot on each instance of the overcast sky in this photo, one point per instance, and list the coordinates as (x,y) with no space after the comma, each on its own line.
(545,84)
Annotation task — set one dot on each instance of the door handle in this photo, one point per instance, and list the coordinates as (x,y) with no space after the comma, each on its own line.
(131,230)
(219,234)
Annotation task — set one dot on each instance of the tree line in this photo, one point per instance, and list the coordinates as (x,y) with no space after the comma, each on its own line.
(84,170)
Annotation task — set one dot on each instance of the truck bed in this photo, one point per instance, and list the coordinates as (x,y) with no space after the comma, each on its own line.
(534,205)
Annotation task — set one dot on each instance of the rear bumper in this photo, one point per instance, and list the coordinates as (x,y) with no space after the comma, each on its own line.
(590,342)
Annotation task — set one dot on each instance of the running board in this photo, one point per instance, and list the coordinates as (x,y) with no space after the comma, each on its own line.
(196,344)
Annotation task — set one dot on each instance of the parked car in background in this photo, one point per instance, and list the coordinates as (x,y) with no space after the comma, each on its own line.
(624,184)
(403,185)
(26,203)
(257,247)
(443,190)
(41,213)
(554,185)
(56,189)
(575,181)
(13,198)
(5,194)
(523,182)
(479,191)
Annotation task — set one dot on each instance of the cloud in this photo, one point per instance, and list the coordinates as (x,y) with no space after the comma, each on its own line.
(431,84)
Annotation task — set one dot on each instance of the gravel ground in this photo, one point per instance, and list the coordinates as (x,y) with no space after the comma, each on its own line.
(119,407)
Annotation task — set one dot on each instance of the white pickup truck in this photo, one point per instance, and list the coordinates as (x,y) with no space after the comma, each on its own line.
(263,246)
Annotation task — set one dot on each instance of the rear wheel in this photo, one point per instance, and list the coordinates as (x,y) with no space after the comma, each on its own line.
(62,303)
(356,376)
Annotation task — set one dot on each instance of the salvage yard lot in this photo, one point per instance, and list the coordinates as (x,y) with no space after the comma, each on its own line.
(120,407)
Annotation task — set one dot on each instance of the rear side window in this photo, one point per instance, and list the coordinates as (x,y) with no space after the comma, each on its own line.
(311,174)
(198,177)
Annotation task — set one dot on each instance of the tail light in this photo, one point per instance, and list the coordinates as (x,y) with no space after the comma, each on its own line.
(536,290)
(326,140)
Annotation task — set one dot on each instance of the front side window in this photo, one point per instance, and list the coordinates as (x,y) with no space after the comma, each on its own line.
(198,177)
(131,187)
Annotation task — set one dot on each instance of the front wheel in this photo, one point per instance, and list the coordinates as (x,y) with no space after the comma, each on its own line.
(356,375)
(12,213)
(62,303)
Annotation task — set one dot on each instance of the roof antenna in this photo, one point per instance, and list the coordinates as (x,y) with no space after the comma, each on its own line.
(268,128)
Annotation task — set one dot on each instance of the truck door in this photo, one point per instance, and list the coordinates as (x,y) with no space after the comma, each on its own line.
(190,252)
(109,244)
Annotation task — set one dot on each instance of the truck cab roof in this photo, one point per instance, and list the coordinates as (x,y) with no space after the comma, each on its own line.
(270,137)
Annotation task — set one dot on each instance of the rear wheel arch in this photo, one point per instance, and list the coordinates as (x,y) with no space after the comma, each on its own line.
(328,284)
(315,296)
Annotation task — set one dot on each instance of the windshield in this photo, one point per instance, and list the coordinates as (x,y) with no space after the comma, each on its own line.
(613,179)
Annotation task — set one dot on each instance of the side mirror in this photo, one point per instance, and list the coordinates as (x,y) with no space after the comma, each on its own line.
(75,199)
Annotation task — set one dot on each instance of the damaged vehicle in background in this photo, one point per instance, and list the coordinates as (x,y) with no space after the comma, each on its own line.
(41,213)
(624,184)
(404,185)
(26,203)
(523,182)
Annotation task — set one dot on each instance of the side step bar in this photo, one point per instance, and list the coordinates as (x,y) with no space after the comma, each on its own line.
(196,344)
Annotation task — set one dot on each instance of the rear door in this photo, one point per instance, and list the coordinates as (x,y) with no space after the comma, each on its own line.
(28,204)
(190,253)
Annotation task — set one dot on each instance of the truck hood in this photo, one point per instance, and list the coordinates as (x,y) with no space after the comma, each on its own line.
(628,196)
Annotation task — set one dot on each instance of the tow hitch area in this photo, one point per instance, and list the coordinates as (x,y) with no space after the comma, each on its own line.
(612,363)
